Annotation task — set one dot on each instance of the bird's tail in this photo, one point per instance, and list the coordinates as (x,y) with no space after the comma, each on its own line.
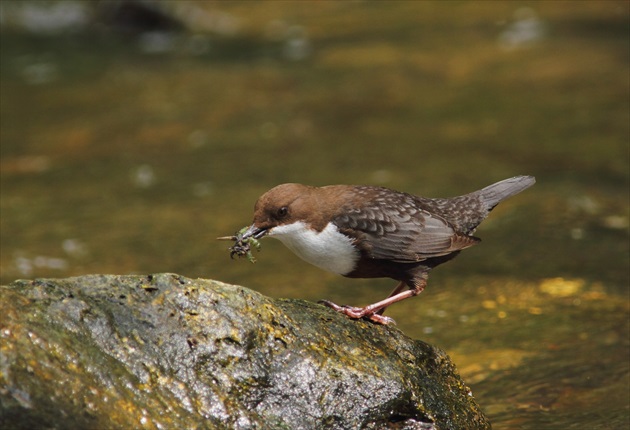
(481,202)
(493,194)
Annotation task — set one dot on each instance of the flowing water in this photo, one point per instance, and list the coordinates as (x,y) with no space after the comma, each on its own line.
(129,150)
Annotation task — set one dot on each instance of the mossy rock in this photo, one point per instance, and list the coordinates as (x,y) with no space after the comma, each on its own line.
(165,351)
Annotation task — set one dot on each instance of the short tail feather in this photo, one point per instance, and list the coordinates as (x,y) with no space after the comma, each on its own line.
(493,194)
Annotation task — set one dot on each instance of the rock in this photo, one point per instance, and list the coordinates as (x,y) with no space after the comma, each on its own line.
(168,352)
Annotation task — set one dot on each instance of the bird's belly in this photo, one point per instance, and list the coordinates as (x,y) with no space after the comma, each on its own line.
(329,249)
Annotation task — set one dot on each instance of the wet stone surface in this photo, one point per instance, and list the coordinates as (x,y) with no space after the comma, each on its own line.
(164,351)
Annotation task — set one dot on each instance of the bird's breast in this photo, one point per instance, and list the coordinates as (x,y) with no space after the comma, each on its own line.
(328,249)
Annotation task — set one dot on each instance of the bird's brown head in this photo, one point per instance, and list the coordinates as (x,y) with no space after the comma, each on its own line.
(283,204)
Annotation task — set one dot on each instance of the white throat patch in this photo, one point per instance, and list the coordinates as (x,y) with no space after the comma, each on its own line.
(328,249)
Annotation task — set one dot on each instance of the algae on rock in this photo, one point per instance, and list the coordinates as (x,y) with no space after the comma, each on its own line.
(165,351)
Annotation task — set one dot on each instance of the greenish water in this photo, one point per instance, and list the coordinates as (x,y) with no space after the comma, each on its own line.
(115,160)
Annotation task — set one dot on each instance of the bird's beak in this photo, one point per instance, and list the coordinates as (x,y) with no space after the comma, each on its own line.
(255,232)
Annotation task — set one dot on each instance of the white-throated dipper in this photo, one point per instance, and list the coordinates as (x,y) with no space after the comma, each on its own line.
(374,232)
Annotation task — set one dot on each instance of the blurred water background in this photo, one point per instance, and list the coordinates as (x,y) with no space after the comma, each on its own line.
(133,133)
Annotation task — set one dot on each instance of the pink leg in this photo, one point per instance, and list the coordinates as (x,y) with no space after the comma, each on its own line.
(371,312)
(399,287)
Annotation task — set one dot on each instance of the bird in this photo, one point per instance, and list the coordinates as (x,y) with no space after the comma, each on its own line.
(362,231)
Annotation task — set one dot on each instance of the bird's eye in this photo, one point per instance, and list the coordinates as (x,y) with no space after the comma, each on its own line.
(282,212)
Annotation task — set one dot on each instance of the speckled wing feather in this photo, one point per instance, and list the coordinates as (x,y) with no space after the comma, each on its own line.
(392,227)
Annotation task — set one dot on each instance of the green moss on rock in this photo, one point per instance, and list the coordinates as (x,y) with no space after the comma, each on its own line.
(164,351)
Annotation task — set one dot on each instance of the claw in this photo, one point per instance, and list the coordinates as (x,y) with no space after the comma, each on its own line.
(380,319)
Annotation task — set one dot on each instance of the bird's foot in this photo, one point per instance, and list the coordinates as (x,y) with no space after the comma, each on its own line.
(380,319)
(356,313)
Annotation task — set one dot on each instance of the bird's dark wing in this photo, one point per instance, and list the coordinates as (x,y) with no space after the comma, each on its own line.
(400,231)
